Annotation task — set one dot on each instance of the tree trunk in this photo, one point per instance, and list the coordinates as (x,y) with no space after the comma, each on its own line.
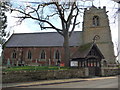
(66,50)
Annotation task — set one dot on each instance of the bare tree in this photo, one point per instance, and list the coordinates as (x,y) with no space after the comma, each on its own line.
(117,45)
(65,12)
(4,7)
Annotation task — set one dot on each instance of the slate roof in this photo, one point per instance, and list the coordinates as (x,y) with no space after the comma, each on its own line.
(46,39)
(83,51)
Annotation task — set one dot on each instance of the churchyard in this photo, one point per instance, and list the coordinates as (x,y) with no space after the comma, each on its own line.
(32,68)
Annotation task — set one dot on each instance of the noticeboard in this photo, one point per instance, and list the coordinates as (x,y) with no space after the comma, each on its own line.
(74,63)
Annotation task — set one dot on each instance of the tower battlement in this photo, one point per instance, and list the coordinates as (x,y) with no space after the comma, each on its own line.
(95,8)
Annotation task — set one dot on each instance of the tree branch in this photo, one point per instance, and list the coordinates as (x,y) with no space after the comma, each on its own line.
(34,18)
(70,15)
(118,51)
(74,24)
(63,21)
(48,16)
(59,31)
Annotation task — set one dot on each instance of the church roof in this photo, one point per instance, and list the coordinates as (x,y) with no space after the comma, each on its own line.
(46,39)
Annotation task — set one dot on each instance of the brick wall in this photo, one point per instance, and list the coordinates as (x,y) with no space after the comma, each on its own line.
(50,57)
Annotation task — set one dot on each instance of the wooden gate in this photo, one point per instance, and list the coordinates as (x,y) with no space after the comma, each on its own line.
(94,71)
(97,71)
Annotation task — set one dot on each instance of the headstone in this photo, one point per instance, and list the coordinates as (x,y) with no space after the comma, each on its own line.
(8,63)
(17,63)
(49,62)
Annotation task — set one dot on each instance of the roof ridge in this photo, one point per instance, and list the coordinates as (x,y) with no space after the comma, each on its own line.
(33,33)
(38,33)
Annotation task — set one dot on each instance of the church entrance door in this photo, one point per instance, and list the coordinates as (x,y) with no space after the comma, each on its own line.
(94,66)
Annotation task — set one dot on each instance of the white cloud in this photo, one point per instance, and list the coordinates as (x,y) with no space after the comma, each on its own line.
(12,24)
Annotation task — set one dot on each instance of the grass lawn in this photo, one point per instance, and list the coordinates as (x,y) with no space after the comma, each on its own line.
(29,68)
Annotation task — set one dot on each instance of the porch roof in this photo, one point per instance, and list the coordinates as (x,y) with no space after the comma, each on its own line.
(84,50)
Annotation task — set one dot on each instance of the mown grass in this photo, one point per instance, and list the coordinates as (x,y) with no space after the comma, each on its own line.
(29,68)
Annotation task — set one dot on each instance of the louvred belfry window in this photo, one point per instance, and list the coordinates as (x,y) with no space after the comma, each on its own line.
(95,21)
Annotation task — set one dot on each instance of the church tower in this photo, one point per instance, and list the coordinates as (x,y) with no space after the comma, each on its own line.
(96,24)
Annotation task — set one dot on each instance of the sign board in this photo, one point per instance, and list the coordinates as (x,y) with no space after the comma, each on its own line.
(74,63)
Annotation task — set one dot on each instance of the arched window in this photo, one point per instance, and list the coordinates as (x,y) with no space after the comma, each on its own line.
(57,55)
(14,55)
(95,21)
(29,56)
(42,55)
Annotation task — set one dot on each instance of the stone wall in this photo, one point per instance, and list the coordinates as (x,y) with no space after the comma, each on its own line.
(109,71)
(23,76)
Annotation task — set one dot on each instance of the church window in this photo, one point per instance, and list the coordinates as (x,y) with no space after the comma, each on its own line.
(29,55)
(95,21)
(42,56)
(57,55)
(14,54)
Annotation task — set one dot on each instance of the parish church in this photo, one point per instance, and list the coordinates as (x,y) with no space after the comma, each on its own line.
(88,47)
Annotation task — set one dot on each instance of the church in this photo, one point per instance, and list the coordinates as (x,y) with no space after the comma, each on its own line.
(88,47)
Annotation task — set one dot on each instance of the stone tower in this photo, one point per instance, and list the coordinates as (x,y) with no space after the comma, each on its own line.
(96,23)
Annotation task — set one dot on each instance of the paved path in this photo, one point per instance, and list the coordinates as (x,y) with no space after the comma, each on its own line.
(98,82)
